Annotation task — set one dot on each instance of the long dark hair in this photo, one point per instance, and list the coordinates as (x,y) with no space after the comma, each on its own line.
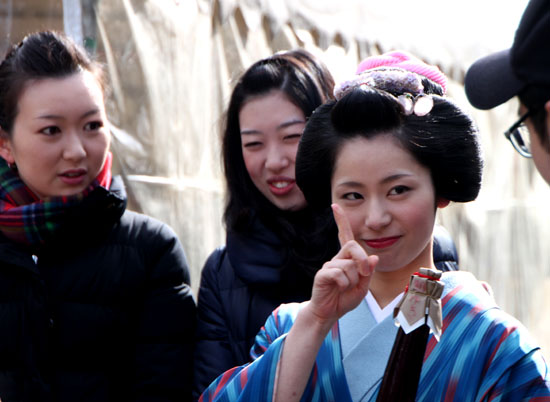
(307,83)
(39,55)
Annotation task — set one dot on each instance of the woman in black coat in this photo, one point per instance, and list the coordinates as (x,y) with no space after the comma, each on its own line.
(275,243)
(95,303)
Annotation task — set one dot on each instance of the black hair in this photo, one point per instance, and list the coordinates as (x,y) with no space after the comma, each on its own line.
(39,55)
(445,141)
(307,83)
(534,98)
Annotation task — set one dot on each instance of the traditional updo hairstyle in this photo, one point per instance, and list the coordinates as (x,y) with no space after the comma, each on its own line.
(440,137)
(445,141)
(39,55)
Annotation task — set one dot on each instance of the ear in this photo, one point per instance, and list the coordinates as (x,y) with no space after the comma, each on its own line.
(547,110)
(442,202)
(5,147)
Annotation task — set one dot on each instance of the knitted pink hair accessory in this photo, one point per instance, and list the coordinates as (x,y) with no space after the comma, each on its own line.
(405,61)
(397,73)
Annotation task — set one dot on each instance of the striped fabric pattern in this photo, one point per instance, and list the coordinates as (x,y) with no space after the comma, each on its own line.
(483,355)
(255,381)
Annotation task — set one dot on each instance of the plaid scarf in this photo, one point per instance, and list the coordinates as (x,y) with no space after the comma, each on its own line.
(26,219)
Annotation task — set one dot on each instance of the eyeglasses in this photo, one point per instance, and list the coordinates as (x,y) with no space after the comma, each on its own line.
(519,136)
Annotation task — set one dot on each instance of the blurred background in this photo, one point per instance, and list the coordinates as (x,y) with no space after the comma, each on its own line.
(172,65)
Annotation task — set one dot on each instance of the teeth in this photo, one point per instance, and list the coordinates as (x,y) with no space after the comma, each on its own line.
(279,184)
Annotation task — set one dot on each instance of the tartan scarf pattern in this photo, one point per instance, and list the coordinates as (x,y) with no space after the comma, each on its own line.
(26,219)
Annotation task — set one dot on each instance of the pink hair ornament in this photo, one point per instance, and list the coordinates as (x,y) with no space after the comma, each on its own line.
(397,73)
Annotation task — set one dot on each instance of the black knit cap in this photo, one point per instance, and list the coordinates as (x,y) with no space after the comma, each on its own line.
(496,78)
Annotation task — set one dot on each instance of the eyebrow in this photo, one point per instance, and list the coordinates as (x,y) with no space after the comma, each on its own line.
(279,127)
(57,117)
(389,179)
(396,177)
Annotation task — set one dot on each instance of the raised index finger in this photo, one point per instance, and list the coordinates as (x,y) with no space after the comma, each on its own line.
(344,228)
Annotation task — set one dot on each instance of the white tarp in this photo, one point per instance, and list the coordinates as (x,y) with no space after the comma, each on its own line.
(172,64)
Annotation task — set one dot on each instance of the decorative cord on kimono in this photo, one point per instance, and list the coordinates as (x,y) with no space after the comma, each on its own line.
(418,313)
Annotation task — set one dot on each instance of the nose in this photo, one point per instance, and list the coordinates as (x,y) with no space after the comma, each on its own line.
(277,158)
(378,215)
(73,147)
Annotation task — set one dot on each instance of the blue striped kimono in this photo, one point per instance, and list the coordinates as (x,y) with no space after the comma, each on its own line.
(483,355)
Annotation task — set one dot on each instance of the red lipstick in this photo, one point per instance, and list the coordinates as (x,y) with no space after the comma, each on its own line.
(382,242)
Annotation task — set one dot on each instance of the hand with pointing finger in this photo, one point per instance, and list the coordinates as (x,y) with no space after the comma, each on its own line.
(338,288)
(343,281)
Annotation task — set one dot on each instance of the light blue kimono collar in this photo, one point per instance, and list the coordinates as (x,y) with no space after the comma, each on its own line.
(366,348)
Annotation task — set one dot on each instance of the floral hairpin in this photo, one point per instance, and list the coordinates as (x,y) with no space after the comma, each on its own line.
(420,104)
(394,81)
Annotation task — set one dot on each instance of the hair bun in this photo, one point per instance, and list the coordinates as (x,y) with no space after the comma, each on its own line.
(405,61)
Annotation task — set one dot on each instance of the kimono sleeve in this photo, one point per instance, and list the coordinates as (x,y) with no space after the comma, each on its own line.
(509,364)
(527,379)
(255,380)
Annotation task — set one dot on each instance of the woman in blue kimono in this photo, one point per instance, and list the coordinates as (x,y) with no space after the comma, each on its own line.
(387,153)
(274,244)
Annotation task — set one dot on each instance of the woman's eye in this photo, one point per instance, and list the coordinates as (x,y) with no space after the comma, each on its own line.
(252,144)
(293,137)
(352,196)
(93,126)
(397,190)
(51,130)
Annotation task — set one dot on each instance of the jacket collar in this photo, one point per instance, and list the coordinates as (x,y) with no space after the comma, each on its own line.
(257,256)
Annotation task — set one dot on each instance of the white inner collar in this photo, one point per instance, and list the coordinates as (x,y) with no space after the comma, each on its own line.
(378,313)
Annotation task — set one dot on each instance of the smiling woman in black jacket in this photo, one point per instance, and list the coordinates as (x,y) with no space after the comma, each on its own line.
(275,242)
(94,299)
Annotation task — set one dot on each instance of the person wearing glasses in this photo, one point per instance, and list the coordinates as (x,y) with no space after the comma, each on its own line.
(522,71)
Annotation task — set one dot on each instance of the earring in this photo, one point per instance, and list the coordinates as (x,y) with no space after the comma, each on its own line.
(12,166)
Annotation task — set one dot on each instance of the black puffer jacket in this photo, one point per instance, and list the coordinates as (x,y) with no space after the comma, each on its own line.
(241,285)
(102,313)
